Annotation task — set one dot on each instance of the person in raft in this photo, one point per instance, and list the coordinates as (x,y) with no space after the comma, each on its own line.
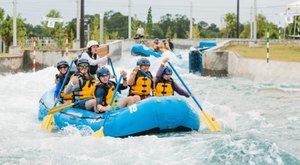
(164,83)
(82,85)
(105,89)
(91,55)
(62,67)
(141,79)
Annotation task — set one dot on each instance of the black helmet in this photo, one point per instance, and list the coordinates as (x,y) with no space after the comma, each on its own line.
(143,61)
(60,63)
(82,61)
(167,70)
(102,72)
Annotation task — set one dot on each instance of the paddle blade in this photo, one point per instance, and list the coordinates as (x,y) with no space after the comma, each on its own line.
(99,133)
(48,123)
(211,122)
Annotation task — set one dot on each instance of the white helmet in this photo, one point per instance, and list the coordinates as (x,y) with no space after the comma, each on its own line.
(92,43)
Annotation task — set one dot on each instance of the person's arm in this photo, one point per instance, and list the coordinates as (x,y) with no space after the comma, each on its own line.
(57,88)
(99,93)
(72,85)
(180,91)
(159,73)
(132,75)
(98,61)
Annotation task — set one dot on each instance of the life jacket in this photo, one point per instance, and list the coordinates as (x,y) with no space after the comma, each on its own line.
(163,46)
(86,88)
(62,94)
(109,90)
(164,88)
(142,85)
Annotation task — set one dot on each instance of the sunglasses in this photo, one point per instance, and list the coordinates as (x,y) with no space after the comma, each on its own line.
(84,65)
(62,67)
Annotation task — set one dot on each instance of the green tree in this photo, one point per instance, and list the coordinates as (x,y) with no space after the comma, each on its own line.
(7,31)
(148,30)
(57,33)
(181,25)
(95,34)
(261,26)
(169,33)
(166,23)
(116,22)
(230,24)
(246,31)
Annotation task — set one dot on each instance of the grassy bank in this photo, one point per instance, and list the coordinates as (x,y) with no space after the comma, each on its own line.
(279,52)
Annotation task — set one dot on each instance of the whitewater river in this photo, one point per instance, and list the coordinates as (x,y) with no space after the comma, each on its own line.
(261,122)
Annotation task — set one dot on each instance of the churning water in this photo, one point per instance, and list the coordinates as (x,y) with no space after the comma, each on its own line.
(261,122)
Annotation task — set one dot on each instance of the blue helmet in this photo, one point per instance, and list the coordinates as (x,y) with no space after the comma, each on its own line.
(82,61)
(143,61)
(167,70)
(60,63)
(102,72)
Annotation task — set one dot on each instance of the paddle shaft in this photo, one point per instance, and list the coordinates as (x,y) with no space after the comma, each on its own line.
(145,74)
(64,82)
(118,84)
(112,68)
(185,86)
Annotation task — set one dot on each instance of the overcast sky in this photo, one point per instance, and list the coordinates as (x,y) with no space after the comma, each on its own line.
(210,11)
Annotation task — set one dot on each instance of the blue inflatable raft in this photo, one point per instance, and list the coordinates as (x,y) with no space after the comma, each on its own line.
(153,115)
(142,50)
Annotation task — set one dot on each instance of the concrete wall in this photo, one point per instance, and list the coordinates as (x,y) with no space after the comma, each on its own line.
(260,70)
(45,58)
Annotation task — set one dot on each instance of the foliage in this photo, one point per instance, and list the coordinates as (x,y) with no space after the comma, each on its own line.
(230,25)
(149,24)
(58,32)
(6,32)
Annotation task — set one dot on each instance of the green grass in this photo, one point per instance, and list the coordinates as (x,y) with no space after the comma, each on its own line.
(4,54)
(278,52)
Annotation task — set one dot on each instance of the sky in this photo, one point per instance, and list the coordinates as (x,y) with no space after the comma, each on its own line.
(210,11)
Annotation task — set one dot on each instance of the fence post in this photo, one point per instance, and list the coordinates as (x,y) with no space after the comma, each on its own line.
(34,48)
(268,45)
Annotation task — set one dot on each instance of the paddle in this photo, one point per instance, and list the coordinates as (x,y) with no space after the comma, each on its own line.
(49,119)
(112,68)
(100,133)
(145,74)
(209,120)
(48,122)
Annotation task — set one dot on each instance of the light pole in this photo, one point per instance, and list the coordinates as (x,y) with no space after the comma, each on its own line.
(237,20)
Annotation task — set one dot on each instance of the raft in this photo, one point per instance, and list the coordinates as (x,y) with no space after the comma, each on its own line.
(150,116)
(142,50)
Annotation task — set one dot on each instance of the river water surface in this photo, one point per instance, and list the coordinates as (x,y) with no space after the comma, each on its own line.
(261,122)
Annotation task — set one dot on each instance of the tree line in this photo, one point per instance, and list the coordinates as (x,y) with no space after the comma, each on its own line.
(116,27)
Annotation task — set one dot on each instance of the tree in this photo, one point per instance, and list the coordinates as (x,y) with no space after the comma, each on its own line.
(166,24)
(229,29)
(181,25)
(169,33)
(57,33)
(95,34)
(7,31)
(148,30)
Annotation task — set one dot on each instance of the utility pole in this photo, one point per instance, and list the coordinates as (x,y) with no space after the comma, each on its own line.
(251,23)
(82,24)
(77,20)
(101,28)
(255,19)
(129,19)
(14,23)
(238,20)
(191,21)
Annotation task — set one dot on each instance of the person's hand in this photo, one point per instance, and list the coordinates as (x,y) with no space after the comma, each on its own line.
(108,55)
(165,60)
(123,72)
(55,100)
(136,69)
(75,80)
(107,108)
(191,95)
(74,58)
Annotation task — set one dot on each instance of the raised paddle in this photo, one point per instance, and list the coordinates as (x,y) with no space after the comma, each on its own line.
(49,118)
(209,120)
(112,68)
(100,133)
